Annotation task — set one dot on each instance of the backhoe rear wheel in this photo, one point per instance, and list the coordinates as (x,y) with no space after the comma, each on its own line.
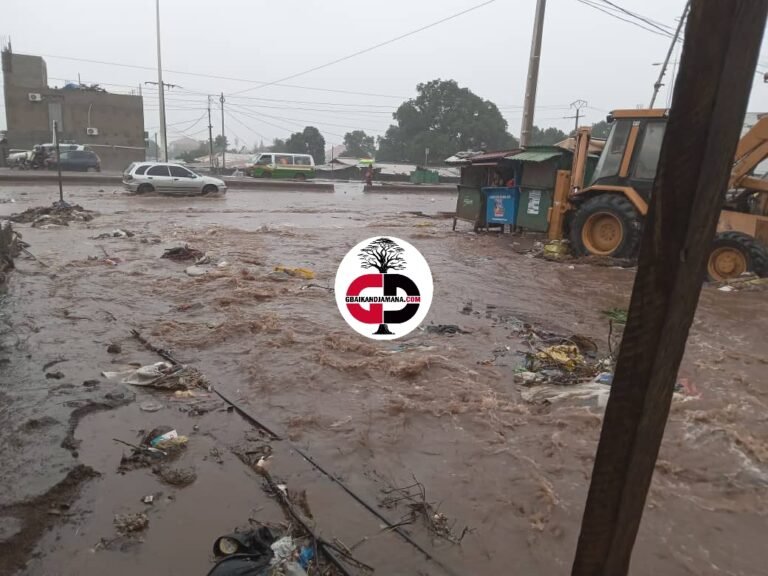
(606,225)
(733,254)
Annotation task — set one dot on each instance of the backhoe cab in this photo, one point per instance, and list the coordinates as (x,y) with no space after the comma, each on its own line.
(605,217)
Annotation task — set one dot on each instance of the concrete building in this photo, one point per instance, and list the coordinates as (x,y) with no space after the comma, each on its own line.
(112,125)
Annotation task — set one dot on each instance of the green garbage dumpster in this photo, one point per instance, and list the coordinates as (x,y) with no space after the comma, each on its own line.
(470,206)
(533,211)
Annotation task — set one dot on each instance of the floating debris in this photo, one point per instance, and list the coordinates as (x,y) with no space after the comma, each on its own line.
(305,273)
(131,523)
(58,214)
(182,254)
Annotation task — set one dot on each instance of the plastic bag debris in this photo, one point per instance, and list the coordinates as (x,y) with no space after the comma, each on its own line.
(306,555)
(555,250)
(305,273)
(548,394)
(141,376)
(293,569)
(163,437)
(604,378)
(283,550)
(150,406)
(161,375)
(565,356)
(195,271)
(118,233)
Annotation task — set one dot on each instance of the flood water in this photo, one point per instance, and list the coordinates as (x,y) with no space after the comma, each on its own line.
(443,409)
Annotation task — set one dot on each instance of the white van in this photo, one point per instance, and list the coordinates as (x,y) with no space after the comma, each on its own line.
(283,165)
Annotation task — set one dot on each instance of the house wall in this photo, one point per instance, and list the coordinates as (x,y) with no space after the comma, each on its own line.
(119,118)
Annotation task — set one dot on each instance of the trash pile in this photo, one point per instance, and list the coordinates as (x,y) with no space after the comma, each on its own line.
(157,448)
(414,497)
(58,214)
(161,375)
(10,247)
(745,283)
(263,551)
(117,233)
(183,254)
(299,550)
(557,368)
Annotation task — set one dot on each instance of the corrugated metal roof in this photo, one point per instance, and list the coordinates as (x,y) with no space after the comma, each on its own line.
(535,155)
(487,156)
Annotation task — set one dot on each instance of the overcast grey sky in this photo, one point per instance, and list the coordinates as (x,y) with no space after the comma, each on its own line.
(587,55)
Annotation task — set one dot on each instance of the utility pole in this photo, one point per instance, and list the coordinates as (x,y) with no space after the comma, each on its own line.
(210,135)
(58,159)
(161,89)
(533,73)
(577,105)
(223,136)
(663,70)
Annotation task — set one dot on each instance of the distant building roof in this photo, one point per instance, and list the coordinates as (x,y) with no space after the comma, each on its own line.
(596,145)
(535,155)
(471,157)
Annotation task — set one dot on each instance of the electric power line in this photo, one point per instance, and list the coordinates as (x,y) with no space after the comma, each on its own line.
(304,120)
(260,117)
(657,25)
(217,77)
(231,116)
(614,15)
(371,48)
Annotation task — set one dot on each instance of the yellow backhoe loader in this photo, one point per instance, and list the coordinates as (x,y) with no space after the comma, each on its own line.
(605,217)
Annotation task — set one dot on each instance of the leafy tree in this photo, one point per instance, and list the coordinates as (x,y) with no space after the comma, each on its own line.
(278,145)
(220,143)
(546,137)
(308,141)
(444,118)
(201,150)
(359,144)
(601,129)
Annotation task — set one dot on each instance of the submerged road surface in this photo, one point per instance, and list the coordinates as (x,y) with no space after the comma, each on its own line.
(511,463)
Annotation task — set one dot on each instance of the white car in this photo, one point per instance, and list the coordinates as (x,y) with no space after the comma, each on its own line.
(168,178)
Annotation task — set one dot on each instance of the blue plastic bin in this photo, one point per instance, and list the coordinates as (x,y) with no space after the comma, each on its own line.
(501,205)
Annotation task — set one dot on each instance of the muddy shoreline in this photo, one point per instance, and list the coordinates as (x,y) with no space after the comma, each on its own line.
(443,408)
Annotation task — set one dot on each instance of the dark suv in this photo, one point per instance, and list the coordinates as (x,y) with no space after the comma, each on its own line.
(77,160)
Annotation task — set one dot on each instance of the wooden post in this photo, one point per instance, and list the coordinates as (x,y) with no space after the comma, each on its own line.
(720,52)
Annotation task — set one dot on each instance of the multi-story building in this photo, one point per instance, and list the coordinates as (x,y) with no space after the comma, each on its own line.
(112,125)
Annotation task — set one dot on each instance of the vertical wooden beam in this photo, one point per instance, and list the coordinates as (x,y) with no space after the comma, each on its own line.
(720,52)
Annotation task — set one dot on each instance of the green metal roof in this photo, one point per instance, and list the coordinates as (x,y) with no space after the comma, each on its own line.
(535,155)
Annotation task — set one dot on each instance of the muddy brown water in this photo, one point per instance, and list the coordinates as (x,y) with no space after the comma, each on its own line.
(438,408)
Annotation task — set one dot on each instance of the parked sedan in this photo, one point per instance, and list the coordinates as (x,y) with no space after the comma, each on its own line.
(77,160)
(143,177)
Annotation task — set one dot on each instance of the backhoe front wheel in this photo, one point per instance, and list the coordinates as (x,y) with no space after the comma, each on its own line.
(733,254)
(606,225)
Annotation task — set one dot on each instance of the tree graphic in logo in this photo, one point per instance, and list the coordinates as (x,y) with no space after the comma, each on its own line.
(384,255)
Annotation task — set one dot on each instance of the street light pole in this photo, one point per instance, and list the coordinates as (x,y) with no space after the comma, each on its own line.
(161,90)
(223,136)
(210,135)
(657,86)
